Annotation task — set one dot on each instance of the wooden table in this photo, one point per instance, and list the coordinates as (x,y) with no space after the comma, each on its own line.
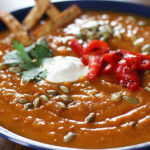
(11,5)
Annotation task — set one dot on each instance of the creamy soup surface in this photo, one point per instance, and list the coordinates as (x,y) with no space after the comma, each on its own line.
(115,123)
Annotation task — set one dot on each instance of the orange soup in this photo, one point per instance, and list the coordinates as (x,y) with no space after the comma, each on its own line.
(80,113)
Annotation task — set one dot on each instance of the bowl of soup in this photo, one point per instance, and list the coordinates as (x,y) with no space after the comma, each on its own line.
(75,75)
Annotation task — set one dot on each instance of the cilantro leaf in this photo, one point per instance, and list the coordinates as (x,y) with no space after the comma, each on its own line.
(41,51)
(33,74)
(12,58)
(23,57)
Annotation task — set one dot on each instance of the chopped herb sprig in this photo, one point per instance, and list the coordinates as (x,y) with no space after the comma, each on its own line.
(29,60)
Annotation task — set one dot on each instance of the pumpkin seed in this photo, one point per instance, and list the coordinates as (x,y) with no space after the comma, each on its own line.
(147,72)
(106,35)
(103,38)
(105,31)
(28,106)
(90,117)
(83,31)
(97,35)
(131,19)
(65,98)
(133,37)
(70,136)
(142,23)
(90,35)
(36,103)
(61,104)
(147,89)
(15,69)
(72,103)
(107,28)
(2,66)
(80,36)
(52,92)
(22,101)
(118,35)
(44,98)
(64,89)
(116,96)
(133,123)
(138,42)
(130,99)
(95,29)
(146,48)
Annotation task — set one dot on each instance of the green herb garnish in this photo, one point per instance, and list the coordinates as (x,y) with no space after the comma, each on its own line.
(40,52)
(29,60)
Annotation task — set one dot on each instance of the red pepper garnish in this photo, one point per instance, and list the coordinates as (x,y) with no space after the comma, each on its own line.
(95,63)
(108,68)
(112,56)
(96,45)
(132,60)
(77,47)
(124,64)
(126,76)
(95,49)
(145,62)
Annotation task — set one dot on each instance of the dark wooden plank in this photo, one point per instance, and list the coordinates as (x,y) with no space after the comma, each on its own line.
(7,145)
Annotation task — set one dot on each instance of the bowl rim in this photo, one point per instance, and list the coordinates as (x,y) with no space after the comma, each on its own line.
(8,135)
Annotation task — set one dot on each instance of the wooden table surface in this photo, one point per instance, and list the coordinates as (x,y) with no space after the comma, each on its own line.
(11,5)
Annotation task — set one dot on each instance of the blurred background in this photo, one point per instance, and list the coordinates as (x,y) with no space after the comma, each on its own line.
(10,5)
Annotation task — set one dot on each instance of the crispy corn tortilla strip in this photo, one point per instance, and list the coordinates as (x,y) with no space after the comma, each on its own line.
(62,19)
(52,11)
(14,26)
(35,14)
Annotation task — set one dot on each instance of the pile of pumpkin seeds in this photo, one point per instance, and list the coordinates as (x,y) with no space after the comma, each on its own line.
(27,105)
(99,32)
(138,41)
(65,100)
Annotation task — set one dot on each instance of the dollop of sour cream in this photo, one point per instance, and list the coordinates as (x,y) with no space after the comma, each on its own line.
(64,69)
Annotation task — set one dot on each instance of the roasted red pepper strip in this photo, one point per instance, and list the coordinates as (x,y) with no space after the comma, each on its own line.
(132,60)
(145,62)
(77,47)
(95,63)
(95,66)
(96,45)
(109,68)
(112,56)
(125,64)
(126,76)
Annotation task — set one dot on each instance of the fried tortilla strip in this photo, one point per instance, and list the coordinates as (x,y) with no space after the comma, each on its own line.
(62,19)
(52,11)
(35,14)
(14,26)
